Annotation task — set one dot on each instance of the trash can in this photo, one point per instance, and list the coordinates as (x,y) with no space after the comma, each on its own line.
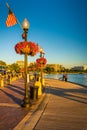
(37,78)
(34,92)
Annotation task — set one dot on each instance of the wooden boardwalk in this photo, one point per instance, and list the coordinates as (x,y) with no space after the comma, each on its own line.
(63,106)
(66,108)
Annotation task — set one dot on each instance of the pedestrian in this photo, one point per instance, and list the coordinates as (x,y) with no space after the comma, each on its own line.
(66,77)
(63,77)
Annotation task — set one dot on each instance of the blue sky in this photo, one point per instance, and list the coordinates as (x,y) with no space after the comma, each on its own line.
(58,26)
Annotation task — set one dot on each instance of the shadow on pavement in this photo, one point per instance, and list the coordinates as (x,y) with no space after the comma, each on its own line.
(71,94)
(14,98)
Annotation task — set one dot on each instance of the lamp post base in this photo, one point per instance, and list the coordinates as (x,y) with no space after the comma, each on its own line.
(26,103)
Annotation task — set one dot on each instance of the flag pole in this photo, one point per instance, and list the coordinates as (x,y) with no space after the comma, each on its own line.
(13,13)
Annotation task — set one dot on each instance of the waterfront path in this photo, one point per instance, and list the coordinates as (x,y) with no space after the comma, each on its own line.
(63,106)
(11,112)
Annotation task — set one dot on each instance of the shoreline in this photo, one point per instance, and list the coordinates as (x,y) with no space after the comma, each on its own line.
(80,79)
(68,81)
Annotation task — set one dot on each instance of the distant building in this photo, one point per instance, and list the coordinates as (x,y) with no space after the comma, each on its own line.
(31,63)
(2,69)
(85,67)
(20,63)
(56,67)
(79,68)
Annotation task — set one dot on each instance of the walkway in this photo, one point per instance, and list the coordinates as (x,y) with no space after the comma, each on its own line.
(63,106)
(11,112)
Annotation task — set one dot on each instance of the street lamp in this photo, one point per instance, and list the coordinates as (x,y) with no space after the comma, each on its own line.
(26,100)
(27,48)
(41,55)
(41,52)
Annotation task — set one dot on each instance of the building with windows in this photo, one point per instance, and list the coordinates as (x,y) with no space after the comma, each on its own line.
(2,69)
(20,63)
(79,68)
(56,67)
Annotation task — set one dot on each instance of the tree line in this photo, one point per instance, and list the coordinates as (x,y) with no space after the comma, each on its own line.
(47,69)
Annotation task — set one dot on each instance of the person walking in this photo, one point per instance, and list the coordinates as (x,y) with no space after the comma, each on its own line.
(66,77)
(63,77)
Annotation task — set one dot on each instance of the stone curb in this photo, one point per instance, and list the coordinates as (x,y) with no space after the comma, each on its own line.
(31,119)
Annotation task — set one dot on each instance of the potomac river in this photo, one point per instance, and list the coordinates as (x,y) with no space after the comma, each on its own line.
(75,78)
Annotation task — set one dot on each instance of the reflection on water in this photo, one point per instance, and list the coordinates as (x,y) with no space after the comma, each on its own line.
(76,78)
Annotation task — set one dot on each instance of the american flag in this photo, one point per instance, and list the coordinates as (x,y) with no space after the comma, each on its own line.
(11,19)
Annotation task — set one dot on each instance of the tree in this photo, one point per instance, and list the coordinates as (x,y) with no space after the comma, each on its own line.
(49,69)
(14,67)
(2,63)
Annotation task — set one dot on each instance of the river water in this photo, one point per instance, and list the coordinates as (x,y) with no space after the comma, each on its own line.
(76,78)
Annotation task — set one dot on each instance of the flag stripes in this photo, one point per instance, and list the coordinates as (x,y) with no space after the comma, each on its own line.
(11,19)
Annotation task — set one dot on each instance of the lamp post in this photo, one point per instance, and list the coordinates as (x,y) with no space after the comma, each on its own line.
(41,55)
(26,100)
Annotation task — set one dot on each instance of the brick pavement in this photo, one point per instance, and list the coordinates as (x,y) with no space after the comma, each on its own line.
(63,108)
(11,112)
